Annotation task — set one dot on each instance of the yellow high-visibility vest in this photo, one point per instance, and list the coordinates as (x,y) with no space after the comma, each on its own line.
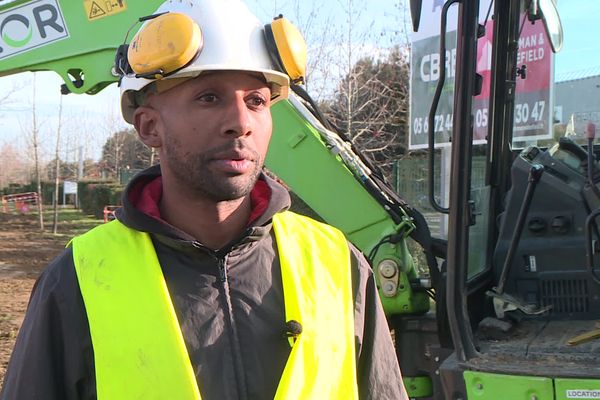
(139,350)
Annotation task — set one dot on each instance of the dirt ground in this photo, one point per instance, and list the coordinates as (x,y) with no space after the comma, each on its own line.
(24,252)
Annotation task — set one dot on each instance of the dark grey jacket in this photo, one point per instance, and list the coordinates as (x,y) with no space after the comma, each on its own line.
(233,325)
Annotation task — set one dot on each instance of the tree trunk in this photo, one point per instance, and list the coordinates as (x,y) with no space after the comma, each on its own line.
(37,162)
(57,170)
(117,155)
(349,88)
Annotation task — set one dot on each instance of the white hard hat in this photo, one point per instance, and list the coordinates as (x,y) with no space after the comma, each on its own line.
(222,35)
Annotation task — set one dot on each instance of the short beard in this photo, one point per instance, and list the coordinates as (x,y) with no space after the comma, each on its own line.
(192,171)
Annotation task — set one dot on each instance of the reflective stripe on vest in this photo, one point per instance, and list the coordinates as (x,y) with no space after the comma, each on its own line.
(139,350)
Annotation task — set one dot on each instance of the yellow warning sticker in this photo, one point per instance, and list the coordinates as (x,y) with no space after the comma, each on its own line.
(96,9)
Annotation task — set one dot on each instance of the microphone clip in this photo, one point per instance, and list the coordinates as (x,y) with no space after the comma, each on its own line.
(293,329)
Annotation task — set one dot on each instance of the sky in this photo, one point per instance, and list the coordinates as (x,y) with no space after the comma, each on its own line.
(88,120)
(581,30)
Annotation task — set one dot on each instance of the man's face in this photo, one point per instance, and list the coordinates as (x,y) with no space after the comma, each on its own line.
(215,131)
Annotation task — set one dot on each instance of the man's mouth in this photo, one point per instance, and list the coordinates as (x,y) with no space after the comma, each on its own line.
(236,162)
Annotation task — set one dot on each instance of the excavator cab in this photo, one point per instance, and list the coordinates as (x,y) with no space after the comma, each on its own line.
(513,178)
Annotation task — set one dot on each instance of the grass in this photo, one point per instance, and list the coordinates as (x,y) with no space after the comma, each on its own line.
(71,221)
(66,213)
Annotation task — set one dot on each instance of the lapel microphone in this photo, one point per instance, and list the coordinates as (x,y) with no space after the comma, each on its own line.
(293,328)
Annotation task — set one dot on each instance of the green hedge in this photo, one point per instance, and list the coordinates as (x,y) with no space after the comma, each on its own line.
(95,195)
(47,190)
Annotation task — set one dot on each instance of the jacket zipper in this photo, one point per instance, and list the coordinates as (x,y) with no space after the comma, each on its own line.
(222,270)
(235,343)
(234,338)
(220,259)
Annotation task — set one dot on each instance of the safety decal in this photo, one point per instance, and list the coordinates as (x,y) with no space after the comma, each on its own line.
(96,9)
(32,25)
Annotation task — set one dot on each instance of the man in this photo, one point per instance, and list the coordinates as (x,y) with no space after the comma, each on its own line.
(205,287)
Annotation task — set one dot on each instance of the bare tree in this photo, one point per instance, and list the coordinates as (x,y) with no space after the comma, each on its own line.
(83,136)
(36,144)
(371,106)
(5,97)
(131,152)
(322,31)
(82,139)
(57,168)
(113,123)
(14,167)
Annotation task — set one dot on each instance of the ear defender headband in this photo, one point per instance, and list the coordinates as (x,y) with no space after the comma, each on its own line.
(287,48)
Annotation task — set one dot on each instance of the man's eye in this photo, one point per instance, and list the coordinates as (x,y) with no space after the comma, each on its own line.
(257,101)
(208,98)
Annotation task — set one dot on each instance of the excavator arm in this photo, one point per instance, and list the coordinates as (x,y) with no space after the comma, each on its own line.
(76,39)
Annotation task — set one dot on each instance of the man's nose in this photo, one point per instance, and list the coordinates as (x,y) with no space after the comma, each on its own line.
(237,118)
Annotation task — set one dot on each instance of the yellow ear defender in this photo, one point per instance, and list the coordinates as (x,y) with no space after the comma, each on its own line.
(164,45)
(287,48)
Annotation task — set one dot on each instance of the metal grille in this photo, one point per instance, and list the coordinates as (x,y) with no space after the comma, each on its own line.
(566,296)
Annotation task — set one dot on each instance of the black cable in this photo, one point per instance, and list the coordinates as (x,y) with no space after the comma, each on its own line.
(303,94)
(392,239)
(373,253)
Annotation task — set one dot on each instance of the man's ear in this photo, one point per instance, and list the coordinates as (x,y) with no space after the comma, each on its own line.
(146,121)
